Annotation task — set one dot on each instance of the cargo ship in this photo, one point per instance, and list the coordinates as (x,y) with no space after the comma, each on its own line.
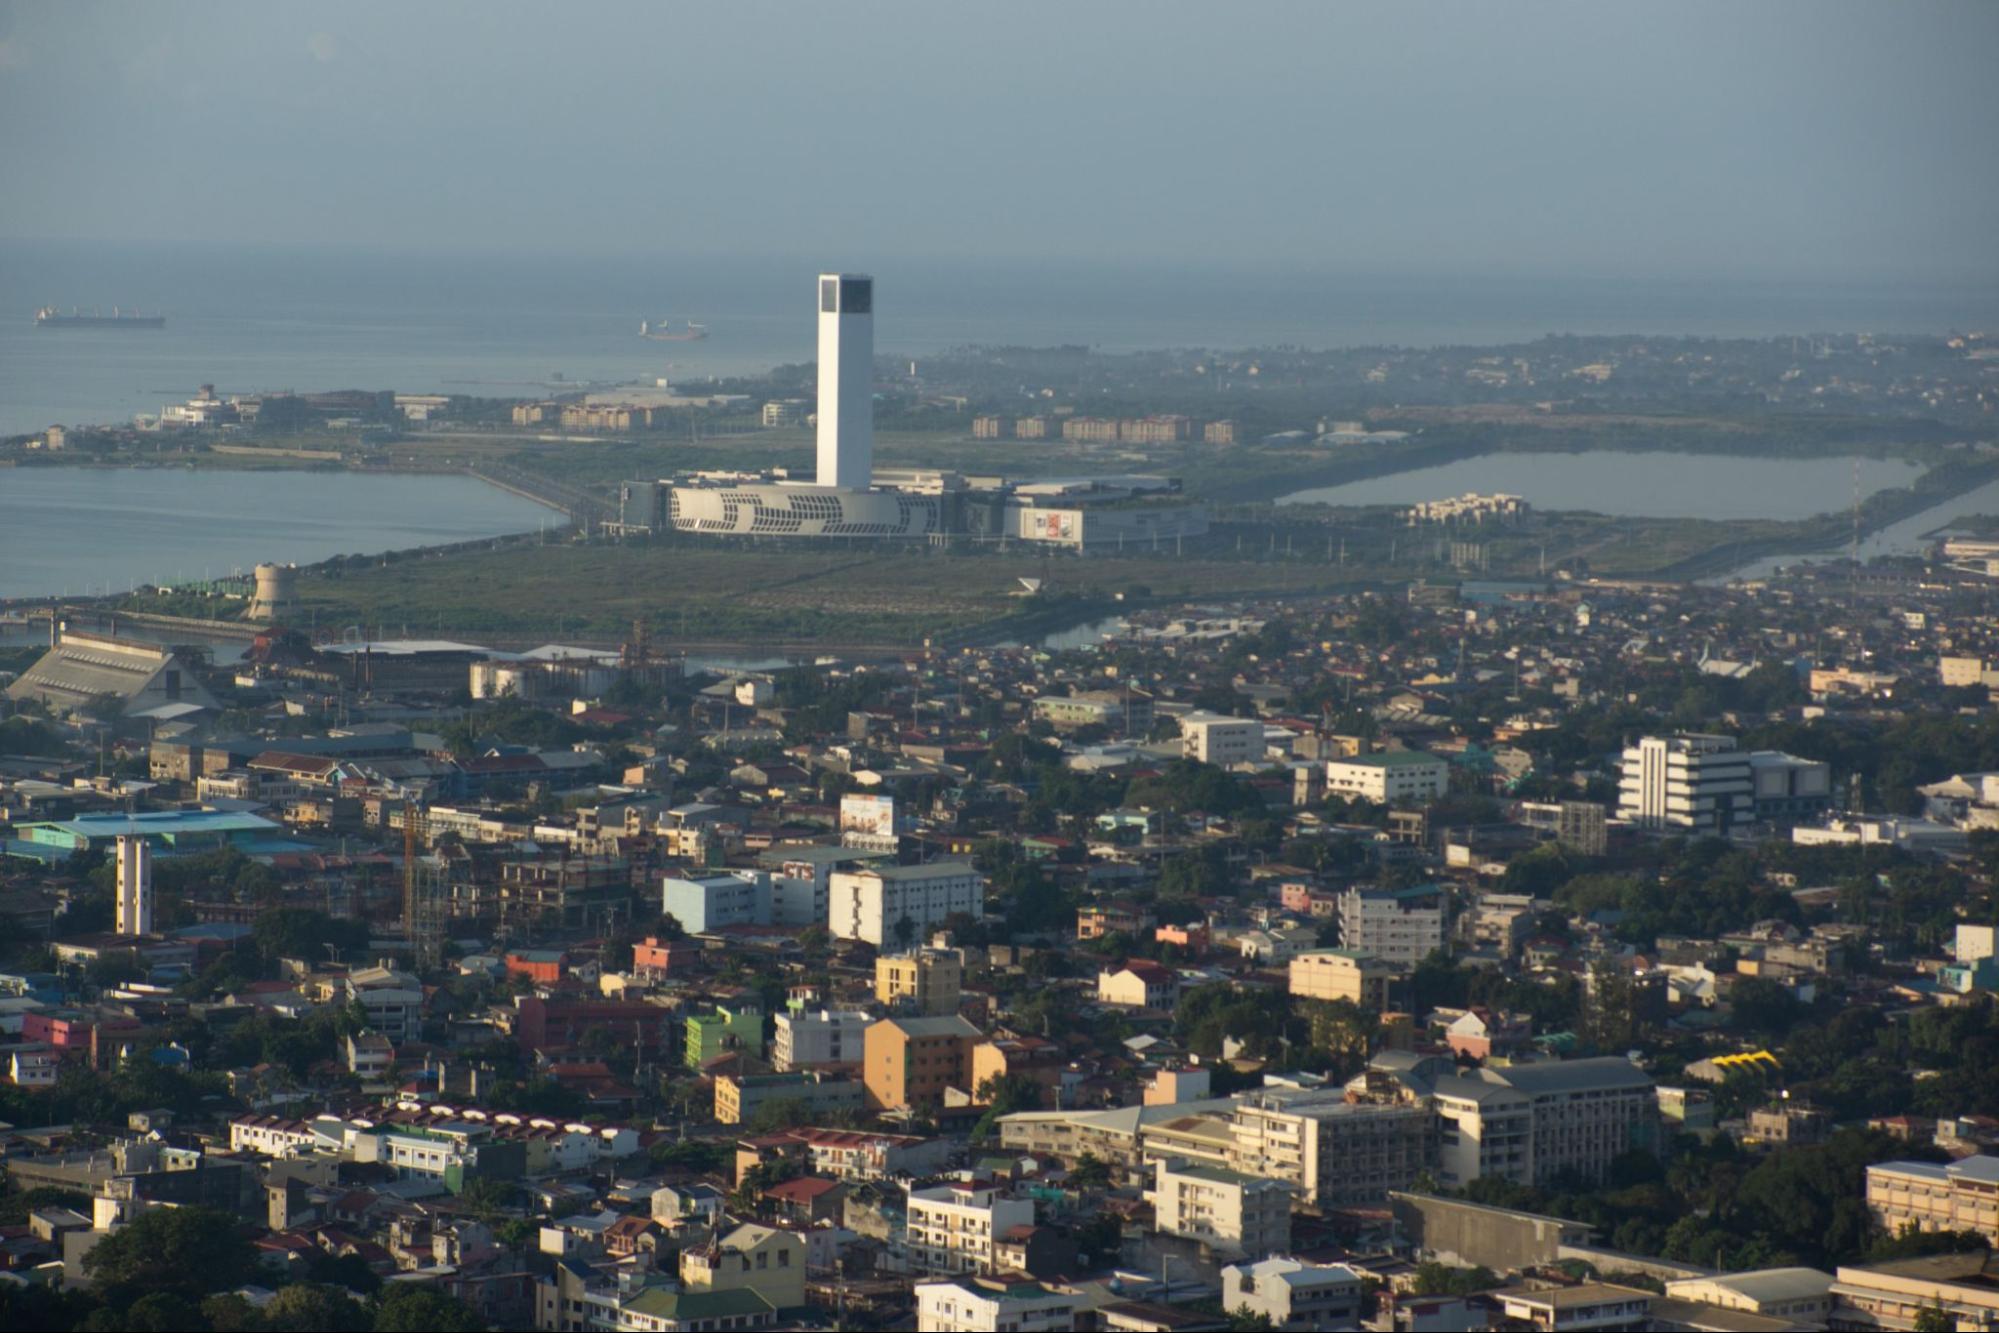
(663,332)
(48,317)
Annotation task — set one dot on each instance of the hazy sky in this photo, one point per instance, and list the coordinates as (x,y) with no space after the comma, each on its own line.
(1678,137)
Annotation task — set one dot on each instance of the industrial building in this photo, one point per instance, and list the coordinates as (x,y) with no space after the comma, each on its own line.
(85,670)
(848,498)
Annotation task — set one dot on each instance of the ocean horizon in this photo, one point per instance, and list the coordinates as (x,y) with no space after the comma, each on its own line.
(268,318)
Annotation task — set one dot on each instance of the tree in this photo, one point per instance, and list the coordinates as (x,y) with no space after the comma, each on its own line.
(186,1252)
(1933,1318)
(406,1308)
(1434,1279)
(307,1307)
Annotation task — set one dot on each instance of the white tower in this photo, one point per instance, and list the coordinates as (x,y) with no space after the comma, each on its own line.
(846,380)
(135,886)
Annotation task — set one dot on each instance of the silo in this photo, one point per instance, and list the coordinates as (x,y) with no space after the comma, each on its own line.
(277,592)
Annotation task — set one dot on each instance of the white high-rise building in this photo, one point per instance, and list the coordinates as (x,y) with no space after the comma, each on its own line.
(1690,782)
(846,380)
(134,903)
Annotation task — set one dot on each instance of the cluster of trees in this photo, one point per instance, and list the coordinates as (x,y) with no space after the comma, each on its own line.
(175,1270)
(1716,1205)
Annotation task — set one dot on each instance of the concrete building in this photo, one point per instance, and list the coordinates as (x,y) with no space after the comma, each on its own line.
(1592,1305)
(1705,784)
(896,905)
(1328,1150)
(729,1028)
(929,982)
(1235,1215)
(755,1258)
(1396,775)
(738,1097)
(826,1039)
(1399,926)
(987,1304)
(1293,1294)
(957,1227)
(1529,1123)
(1896,1295)
(1224,741)
(1138,983)
(1340,974)
(738,898)
(1937,1196)
(909,1062)
(846,380)
(89,670)
(1800,1294)
(133,891)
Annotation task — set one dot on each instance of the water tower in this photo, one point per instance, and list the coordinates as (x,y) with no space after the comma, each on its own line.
(277,593)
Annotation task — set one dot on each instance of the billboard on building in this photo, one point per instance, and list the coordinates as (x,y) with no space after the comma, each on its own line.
(873,816)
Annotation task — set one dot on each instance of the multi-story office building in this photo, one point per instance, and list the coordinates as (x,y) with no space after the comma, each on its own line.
(955,1228)
(895,905)
(929,982)
(826,1039)
(1704,784)
(1691,782)
(1400,926)
(1236,1215)
(1937,1196)
(738,898)
(1397,775)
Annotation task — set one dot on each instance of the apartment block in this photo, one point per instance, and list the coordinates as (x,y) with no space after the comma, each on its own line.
(896,905)
(955,1227)
(1236,1215)
(929,982)
(1340,974)
(1400,926)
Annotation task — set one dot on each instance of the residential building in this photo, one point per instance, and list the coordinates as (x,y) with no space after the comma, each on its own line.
(1937,1196)
(1139,983)
(1340,974)
(738,1097)
(1386,778)
(929,982)
(982,1305)
(1293,1294)
(737,1027)
(1532,1122)
(1399,926)
(1330,1151)
(1224,741)
(827,1039)
(909,1062)
(755,1258)
(1236,1215)
(957,1227)
(896,905)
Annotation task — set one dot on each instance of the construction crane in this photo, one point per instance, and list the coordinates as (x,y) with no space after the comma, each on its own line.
(423,914)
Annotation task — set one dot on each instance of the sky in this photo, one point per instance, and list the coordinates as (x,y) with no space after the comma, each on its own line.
(1681,138)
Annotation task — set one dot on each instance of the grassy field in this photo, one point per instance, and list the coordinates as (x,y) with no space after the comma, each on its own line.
(791,596)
